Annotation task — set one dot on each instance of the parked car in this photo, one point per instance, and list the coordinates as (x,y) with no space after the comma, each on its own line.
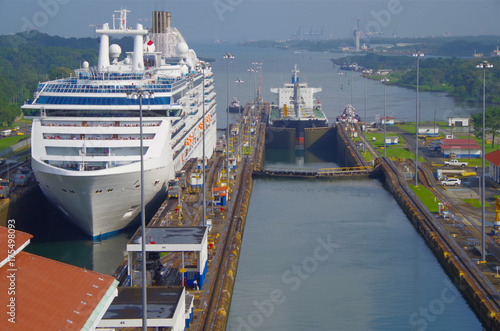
(451,182)
(456,163)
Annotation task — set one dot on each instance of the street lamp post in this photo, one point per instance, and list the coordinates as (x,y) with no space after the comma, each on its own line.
(483,65)
(352,71)
(366,89)
(239,82)
(258,68)
(228,57)
(384,81)
(418,54)
(140,93)
(435,110)
(250,70)
(203,121)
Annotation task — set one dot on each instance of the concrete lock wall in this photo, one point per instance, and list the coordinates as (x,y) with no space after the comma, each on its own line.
(345,153)
(319,138)
(282,138)
(460,277)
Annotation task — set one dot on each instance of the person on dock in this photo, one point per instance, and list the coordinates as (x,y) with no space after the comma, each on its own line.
(195,285)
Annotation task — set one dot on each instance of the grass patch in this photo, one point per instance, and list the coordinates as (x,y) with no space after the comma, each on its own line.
(9,141)
(427,198)
(392,151)
(475,202)
(367,156)
(410,127)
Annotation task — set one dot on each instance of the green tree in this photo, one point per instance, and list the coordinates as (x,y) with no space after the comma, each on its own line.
(491,120)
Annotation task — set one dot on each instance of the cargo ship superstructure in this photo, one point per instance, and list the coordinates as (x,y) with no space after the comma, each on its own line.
(86,136)
(297,108)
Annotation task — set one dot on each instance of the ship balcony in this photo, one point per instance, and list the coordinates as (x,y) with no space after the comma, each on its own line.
(209,89)
(89,124)
(87,165)
(74,137)
(58,160)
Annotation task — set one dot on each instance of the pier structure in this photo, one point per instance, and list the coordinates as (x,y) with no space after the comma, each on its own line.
(213,250)
(166,309)
(315,173)
(193,240)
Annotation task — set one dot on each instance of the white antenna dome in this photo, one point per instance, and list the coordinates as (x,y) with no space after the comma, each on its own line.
(115,51)
(181,49)
(85,65)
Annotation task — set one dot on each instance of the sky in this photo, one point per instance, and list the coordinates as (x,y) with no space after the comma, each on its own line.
(242,20)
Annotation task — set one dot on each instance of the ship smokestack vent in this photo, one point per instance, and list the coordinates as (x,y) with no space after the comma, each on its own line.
(161,21)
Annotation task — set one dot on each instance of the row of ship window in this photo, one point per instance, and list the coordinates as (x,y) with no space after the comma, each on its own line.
(91,101)
(100,191)
(102,89)
(97,124)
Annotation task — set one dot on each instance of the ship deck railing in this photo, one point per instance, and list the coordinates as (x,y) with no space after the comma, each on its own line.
(96,138)
(121,125)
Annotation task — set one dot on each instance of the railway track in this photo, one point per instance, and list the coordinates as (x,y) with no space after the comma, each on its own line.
(218,274)
(456,252)
(211,309)
(470,226)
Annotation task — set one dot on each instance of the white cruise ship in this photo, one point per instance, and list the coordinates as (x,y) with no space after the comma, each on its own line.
(86,134)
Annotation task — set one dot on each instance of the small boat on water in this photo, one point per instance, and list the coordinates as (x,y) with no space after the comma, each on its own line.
(235,106)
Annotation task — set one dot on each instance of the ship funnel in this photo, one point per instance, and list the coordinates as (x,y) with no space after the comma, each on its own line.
(161,21)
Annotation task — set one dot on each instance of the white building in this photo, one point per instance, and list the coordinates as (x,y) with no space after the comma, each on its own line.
(393,140)
(458,121)
(430,131)
(387,120)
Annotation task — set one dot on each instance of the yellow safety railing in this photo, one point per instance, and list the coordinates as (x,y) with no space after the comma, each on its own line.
(342,170)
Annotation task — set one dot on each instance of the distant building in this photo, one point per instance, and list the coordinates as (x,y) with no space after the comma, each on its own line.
(393,140)
(428,131)
(458,121)
(494,159)
(460,148)
(387,120)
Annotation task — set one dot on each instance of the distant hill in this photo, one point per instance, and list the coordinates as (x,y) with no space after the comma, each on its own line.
(28,58)
(437,46)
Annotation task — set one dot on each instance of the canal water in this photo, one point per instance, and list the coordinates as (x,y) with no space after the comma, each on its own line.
(338,255)
(316,255)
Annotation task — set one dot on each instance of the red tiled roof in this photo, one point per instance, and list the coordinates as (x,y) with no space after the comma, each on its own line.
(461,147)
(460,142)
(50,295)
(20,240)
(493,157)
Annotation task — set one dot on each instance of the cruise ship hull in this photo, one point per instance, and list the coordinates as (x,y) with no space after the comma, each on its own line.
(91,130)
(105,201)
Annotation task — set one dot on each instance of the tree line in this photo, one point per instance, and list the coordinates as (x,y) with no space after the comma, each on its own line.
(29,58)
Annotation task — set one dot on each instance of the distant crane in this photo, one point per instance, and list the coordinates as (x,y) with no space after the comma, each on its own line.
(309,34)
(319,35)
(296,35)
